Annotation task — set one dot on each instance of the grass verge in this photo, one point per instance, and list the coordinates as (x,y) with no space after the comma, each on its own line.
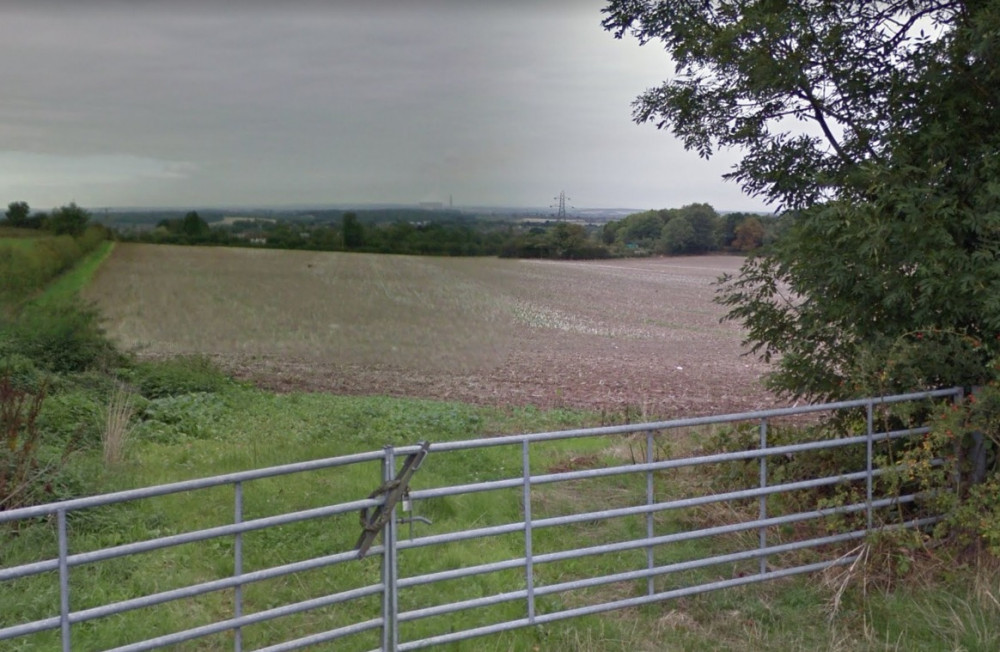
(69,284)
(186,435)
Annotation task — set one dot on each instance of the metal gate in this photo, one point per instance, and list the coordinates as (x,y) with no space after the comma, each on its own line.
(377,540)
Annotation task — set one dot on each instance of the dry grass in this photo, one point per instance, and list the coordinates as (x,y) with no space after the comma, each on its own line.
(117,424)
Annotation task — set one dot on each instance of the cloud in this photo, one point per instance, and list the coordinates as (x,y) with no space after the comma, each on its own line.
(292,102)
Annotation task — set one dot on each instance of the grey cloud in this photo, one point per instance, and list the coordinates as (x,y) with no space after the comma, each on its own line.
(378,101)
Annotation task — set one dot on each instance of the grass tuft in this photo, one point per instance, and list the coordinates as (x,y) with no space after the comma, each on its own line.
(117,424)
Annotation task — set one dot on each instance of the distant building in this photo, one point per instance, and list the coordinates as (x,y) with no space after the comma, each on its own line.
(432,205)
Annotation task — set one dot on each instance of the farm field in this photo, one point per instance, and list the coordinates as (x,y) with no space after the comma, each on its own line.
(639,334)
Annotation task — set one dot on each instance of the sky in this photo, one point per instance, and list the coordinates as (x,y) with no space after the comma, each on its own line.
(250,103)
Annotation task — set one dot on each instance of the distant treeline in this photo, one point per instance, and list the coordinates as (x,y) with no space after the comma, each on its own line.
(692,229)
(453,235)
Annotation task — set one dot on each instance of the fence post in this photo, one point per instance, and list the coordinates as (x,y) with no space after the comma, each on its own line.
(977,452)
(63,580)
(650,562)
(390,601)
(869,454)
(762,501)
(529,567)
(957,400)
(238,564)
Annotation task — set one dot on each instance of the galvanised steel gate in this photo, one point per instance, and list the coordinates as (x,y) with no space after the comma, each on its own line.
(640,561)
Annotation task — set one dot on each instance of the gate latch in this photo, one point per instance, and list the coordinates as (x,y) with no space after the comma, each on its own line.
(393,491)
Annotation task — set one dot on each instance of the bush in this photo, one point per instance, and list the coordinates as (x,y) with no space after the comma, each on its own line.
(789,468)
(72,416)
(26,269)
(20,369)
(966,487)
(177,376)
(173,418)
(63,337)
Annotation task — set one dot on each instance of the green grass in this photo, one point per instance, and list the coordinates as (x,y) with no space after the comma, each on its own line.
(70,283)
(234,428)
(193,422)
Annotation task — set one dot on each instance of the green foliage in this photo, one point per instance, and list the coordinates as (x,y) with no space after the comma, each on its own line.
(841,303)
(17,213)
(70,283)
(561,240)
(25,269)
(641,228)
(179,417)
(72,416)
(749,73)
(677,236)
(193,226)
(894,194)
(691,229)
(965,487)
(352,231)
(19,369)
(176,376)
(61,337)
(738,475)
(68,220)
(246,425)
(190,229)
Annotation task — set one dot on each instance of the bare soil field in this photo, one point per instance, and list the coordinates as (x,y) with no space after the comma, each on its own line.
(641,334)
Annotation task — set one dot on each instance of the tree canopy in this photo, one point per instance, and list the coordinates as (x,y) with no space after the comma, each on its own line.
(875,126)
(17,213)
(68,220)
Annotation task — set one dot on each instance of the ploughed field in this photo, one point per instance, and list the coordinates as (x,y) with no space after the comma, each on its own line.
(641,334)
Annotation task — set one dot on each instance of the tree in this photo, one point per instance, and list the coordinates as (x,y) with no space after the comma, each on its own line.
(677,235)
(874,124)
(704,223)
(749,234)
(68,220)
(641,228)
(352,230)
(17,213)
(568,240)
(194,227)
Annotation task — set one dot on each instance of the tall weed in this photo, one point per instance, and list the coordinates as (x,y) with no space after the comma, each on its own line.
(20,467)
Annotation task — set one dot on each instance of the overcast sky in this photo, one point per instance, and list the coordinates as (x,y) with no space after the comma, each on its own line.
(200,104)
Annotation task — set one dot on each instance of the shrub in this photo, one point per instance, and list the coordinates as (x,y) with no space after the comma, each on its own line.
(790,468)
(966,487)
(188,416)
(72,415)
(26,269)
(177,376)
(20,369)
(63,337)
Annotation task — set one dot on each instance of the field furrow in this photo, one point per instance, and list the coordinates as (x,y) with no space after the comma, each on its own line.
(640,333)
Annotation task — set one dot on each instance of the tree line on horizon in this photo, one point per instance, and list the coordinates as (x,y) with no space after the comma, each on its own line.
(692,229)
